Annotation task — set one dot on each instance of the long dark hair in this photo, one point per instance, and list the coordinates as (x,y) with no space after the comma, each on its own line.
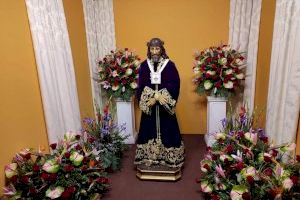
(157,42)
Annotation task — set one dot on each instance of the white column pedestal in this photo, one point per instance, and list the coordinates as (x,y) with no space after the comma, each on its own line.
(125,115)
(216,111)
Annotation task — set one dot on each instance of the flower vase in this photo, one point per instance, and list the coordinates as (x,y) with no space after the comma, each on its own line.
(125,117)
(216,112)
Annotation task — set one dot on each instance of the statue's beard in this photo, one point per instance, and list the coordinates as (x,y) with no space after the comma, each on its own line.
(155,58)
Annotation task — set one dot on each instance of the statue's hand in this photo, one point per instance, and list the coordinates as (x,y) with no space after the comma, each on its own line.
(162,99)
(151,102)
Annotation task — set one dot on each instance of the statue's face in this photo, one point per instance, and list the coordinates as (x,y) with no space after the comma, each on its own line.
(155,53)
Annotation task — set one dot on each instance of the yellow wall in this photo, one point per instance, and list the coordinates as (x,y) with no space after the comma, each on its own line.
(76,28)
(185,26)
(263,58)
(21,114)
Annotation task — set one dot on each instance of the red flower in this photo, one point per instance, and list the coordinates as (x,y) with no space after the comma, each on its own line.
(246,196)
(67,154)
(206,167)
(52,177)
(218,84)
(53,146)
(239,166)
(32,191)
(91,139)
(267,159)
(45,176)
(229,149)
(68,168)
(77,137)
(78,147)
(265,139)
(294,179)
(268,172)
(14,179)
(250,180)
(36,168)
(25,179)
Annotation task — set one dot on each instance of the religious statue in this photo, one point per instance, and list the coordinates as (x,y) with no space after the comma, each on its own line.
(159,141)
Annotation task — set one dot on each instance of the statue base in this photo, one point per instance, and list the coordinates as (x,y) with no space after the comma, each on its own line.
(158,173)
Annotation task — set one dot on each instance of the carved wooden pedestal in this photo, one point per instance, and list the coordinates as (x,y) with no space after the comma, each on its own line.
(158,173)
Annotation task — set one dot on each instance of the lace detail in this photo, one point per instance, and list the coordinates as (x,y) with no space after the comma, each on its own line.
(147,94)
(170,105)
(154,153)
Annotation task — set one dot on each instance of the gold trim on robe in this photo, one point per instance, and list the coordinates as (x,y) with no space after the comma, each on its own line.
(154,152)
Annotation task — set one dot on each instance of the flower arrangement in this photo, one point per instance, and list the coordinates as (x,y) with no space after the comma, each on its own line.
(218,71)
(242,164)
(105,136)
(73,170)
(118,73)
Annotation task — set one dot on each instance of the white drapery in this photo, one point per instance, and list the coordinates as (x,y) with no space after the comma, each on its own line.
(284,83)
(100,32)
(244,23)
(55,67)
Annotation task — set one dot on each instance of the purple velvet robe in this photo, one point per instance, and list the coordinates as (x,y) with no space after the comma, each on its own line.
(169,129)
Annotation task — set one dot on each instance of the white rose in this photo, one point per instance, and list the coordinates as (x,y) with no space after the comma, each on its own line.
(240,76)
(196,70)
(208,85)
(222,61)
(226,48)
(211,72)
(115,73)
(136,63)
(228,71)
(287,184)
(228,85)
(133,85)
(205,187)
(115,87)
(238,61)
(128,71)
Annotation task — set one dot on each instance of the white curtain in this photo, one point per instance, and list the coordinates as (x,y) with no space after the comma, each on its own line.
(244,23)
(284,83)
(55,66)
(100,32)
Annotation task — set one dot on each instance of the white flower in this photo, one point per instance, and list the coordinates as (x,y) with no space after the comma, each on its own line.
(196,70)
(249,171)
(228,85)
(252,137)
(70,136)
(54,193)
(222,61)
(133,85)
(208,84)
(115,87)
(128,72)
(228,71)
(237,192)
(100,69)
(11,170)
(51,166)
(287,184)
(115,73)
(219,136)
(76,158)
(238,61)
(240,76)
(136,63)
(205,187)
(211,72)
(226,48)
(123,89)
